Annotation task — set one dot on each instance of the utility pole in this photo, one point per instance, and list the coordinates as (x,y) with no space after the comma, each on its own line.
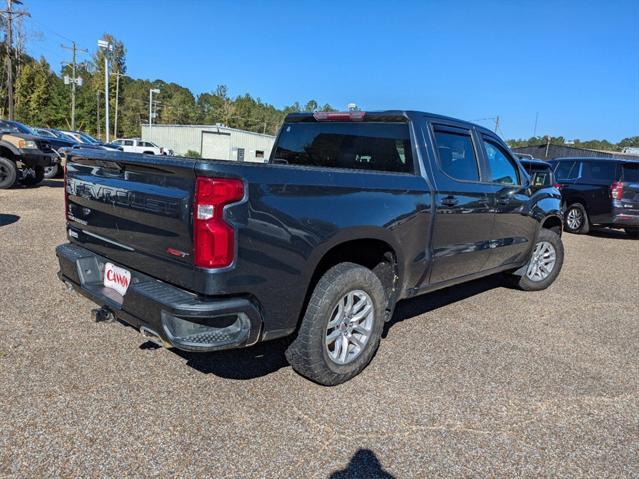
(496,123)
(74,80)
(535,130)
(117,100)
(97,100)
(107,47)
(10,14)
(151,92)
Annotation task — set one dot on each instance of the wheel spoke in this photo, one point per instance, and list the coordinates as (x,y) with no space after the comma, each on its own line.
(338,317)
(330,339)
(344,350)
(362,314)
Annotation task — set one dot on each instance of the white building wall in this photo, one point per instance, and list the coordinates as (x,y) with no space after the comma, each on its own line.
(181,138)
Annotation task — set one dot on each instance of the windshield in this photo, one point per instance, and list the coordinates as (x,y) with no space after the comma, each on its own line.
(64,136)
(46,133)
(88,139)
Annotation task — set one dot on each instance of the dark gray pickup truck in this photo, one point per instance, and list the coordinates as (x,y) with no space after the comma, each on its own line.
(353,212)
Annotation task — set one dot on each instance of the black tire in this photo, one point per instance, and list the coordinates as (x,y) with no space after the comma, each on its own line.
(632,232)
(8,173)
(527,284)
(308,353)
(34,179)
(51,171)
(581,226)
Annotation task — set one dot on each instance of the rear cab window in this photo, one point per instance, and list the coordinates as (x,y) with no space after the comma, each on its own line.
(374,146)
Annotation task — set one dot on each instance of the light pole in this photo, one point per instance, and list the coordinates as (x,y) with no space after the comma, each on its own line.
(107,47)
(151,92)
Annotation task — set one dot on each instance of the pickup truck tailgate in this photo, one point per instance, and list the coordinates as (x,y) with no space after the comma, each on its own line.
(133,209)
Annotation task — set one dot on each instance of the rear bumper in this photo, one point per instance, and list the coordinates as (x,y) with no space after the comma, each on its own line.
(184,320)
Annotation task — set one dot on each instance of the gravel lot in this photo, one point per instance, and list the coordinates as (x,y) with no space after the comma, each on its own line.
(478,380)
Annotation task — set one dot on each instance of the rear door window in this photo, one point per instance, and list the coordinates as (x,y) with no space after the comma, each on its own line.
(567,170)
(354,145)
(604,171)
(456,154)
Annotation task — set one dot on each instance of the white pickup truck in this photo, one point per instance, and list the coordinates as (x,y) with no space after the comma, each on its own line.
(137,145)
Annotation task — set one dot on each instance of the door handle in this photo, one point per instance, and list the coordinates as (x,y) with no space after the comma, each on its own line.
(449,201)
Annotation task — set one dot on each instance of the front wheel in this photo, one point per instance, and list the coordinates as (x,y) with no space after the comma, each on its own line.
(51,171)
(8,173)
(342,326)
(545,263)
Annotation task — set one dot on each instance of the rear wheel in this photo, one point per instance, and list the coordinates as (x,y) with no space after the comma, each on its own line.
(545,263)
(632,232)
(8,173)
(33,176)
(342,326)
(577,219)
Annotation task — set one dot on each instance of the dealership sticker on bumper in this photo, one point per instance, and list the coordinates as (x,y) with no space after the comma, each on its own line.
(116,278)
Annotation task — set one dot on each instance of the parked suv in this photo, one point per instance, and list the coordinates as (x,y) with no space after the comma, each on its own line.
(599,191)
(354,212)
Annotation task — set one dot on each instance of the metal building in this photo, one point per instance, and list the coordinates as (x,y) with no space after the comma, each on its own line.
(549,151)
(211,141)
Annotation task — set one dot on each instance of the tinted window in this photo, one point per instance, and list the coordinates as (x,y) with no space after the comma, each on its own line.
(502,169)
(128,142)
(599,170)
(364,146)
(567,170)
(630,172)
(539,175)
(457,155)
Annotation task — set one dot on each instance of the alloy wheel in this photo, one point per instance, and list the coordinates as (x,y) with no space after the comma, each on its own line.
(542,261)
(349,327)
(574,218)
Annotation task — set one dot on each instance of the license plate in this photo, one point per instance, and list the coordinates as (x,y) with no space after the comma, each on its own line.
(116,278)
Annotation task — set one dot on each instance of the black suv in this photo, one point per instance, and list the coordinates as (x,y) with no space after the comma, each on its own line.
(599,191)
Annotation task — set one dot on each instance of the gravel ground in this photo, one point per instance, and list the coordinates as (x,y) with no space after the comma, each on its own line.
(478,380)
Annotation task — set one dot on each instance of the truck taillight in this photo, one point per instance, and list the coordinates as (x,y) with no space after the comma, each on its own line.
(213,238)
(616,190)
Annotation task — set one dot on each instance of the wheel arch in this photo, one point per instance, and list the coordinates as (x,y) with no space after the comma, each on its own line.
(371,248)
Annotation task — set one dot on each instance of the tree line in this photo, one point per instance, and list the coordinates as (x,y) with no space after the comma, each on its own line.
(43,99)
(632,141)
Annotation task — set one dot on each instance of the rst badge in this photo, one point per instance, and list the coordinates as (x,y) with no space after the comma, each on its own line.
(116,278)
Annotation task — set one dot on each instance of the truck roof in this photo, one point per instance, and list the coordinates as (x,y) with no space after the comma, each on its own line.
(389,115)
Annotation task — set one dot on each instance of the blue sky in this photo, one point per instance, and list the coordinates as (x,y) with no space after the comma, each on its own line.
(574,62)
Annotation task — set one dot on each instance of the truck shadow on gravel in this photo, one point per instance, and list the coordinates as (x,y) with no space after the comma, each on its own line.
(409,308)
(266,358)
(8,219)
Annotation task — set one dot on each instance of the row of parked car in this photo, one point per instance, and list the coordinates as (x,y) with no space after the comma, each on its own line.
(30,154)
(595,191)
